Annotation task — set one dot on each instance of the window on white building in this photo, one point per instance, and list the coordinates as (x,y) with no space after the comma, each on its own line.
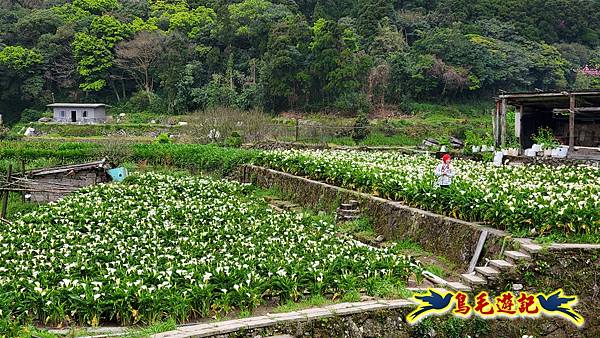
(62,113)
(85,113)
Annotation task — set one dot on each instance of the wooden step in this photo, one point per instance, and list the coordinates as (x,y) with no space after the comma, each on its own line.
(517,255)
(501,264)
(531,248)
(458,286)
(487,271)
(473,279)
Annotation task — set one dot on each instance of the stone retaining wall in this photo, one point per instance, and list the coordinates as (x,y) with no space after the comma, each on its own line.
(382,318)
(446,236)
(573,267)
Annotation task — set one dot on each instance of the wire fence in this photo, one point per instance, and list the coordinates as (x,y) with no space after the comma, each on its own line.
(316,133)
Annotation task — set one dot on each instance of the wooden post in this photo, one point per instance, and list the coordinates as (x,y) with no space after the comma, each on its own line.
(297,130)
(571,123)
(518,116)
(23,176)
(6,192)
(502,125)
(495,114)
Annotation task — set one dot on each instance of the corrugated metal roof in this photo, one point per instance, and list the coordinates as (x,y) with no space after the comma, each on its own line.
(77,105)
(75,167)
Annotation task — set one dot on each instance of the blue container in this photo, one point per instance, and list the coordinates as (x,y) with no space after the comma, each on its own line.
(118,174)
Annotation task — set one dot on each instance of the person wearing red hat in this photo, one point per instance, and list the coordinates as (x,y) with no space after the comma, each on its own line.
(444,172)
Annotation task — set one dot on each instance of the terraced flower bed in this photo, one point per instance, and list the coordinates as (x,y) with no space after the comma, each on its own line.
(530,200)
(159,246)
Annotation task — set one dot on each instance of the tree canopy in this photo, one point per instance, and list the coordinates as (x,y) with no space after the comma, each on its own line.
(332,55)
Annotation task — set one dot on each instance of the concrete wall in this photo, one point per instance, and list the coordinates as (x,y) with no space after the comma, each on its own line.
(93,115)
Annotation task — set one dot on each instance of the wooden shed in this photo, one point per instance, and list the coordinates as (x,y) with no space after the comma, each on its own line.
(573,116)
(50,184)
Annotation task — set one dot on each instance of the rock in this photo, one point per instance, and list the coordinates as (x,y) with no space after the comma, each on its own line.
(498,158)
(431,142)
(517,287)
(214,134)
(365,298)
(122,115)
(45,119)
(182,123)
(153,121)
(456,143)
(30,131)
(379,239)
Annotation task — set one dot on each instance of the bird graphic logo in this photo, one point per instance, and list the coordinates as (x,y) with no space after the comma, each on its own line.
(432,302)
(556,304)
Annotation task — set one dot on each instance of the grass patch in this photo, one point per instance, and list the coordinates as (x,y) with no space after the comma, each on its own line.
(361,229)
(409,246)
(571,238)
(351,296)
(436,270)
(244,313)
(152,329)
(312,301)
(387,288)
(16,205)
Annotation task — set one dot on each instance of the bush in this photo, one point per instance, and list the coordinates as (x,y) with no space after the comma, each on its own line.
(31,115)
(353,103)
(163,139)
(545,137)
(407,107)
(361,128)
(234,140)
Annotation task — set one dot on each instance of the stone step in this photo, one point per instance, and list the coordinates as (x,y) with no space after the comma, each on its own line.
(348,217)
(487,271)
(517,255)
(473,279)
(501,264)
(531,248)
(458,286)
(349,205)
(348,211)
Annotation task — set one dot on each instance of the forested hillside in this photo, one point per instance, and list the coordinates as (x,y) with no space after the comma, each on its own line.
(174,56)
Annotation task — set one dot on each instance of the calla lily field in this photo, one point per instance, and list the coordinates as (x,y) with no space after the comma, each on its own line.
(159,246)
(530,200)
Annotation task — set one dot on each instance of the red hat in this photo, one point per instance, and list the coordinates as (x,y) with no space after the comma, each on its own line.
(446,158)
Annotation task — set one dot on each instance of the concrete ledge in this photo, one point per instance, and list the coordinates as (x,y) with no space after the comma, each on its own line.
(307,315)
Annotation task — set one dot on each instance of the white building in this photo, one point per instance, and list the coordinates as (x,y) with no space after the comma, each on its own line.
(79,112)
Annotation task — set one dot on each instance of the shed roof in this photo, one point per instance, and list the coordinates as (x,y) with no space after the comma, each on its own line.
(102,164)
(549,100)
(77,105)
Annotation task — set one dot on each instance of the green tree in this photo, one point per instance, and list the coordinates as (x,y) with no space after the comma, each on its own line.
(18,58)
(369,15)
(94,58)
(285,76)
(96,6)
(197,24)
